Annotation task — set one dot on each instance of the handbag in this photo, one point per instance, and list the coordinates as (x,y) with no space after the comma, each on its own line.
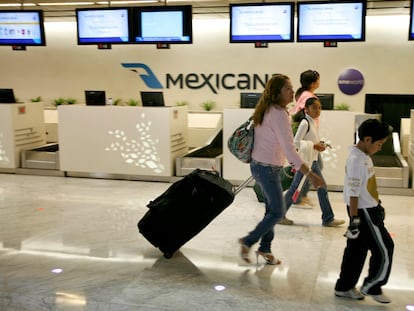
(241,142)
(286,175)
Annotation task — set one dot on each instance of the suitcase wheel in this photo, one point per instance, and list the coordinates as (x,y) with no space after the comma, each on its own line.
(168,255)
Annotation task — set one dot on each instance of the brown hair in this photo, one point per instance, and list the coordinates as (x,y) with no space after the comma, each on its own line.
(270,97)
(306,79)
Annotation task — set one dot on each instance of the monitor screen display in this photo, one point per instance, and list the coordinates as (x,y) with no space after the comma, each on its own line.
(331,21)
(95,98)
(411,30)
(152,99)
(327,100)
(109,25)
(7,96)
(261,22)
(22,28)
(249,100)
(162,24)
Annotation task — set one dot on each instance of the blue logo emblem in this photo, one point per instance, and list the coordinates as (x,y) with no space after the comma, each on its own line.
(147,76)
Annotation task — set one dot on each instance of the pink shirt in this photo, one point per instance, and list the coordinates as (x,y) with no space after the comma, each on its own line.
(301,101)
(273,140)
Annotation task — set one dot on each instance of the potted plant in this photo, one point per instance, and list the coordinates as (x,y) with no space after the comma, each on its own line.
(208,105)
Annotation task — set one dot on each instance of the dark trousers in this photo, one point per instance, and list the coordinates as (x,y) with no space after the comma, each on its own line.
(375,238)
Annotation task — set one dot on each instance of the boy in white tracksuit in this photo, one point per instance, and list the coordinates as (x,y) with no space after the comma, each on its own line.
(366,230)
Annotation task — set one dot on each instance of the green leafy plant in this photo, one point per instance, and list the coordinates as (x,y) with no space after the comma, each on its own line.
(342,106)
(36,99)
(182,103)
(132,102)
(117,102)
(70,101)
(208,105)
(59,101)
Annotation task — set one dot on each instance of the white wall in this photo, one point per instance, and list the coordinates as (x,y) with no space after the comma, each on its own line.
(64,69)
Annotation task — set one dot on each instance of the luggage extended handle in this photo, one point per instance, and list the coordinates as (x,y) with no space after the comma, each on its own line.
(243,185)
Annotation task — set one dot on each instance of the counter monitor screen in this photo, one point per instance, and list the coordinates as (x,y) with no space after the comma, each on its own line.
(95,98)
(411,31)
(327,100)
(152,99)
(7,96)
(249,100)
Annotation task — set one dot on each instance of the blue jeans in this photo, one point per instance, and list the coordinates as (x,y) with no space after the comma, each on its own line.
(267,176)
(325,205)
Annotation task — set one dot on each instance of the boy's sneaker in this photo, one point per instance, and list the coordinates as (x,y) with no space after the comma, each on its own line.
(381,298)
(352,293)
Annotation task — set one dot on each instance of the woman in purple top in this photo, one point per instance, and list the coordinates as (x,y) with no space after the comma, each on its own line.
(273,143)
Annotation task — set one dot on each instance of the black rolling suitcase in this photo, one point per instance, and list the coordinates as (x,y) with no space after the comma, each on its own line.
(185,209)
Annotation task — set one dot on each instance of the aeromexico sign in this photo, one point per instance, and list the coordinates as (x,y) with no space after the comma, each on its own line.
(195,81)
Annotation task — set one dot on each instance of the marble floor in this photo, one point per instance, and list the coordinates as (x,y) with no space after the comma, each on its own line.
(72,244)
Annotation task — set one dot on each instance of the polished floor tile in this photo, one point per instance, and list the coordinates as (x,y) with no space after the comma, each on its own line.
(73,244)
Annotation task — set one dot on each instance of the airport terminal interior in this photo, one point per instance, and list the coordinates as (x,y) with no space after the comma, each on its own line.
(72,244)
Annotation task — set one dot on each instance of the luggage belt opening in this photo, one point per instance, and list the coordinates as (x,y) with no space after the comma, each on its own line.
(205,157)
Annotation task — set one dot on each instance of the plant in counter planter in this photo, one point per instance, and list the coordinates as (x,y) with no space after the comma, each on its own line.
(71,101)
(132,102)
(117,102)
(59,101)
(182,103)
(208,105)
(342,106)
(37,99)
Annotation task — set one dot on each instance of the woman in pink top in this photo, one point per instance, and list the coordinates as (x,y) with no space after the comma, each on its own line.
(273,143)
(309,80)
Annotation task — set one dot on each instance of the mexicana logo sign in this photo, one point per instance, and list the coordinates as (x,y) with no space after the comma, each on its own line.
(194,81)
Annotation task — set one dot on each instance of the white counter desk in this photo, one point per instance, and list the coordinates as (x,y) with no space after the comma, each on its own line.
(110,140)
(21,127)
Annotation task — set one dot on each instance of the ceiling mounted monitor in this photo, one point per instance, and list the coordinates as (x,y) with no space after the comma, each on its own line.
(22,28)
(103,26)
(162,24)
(321,21)
(261,22)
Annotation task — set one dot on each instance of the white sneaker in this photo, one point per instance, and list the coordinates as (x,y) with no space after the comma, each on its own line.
(352,294)
(381,298)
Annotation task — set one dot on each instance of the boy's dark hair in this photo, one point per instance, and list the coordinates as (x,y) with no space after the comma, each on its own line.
(375,129)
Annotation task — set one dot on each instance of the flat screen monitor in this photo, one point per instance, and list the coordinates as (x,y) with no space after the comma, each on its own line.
(411,29)
(392,107)
(162,24)
(7,96)
(327,100)
(261,22)
(22,28)
(103,26)
(152,99)
(95,98)
(321,21)
(249,100)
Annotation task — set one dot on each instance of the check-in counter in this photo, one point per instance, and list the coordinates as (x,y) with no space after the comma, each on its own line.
(21,127)
(110,140)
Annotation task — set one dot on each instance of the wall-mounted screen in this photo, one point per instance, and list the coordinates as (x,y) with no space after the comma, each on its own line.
(22,28)
(162,24)
(95,98)
(7,96)
(102,26)
(152,99)
(261,22)
(249,100)
(411,30)
(321,21)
